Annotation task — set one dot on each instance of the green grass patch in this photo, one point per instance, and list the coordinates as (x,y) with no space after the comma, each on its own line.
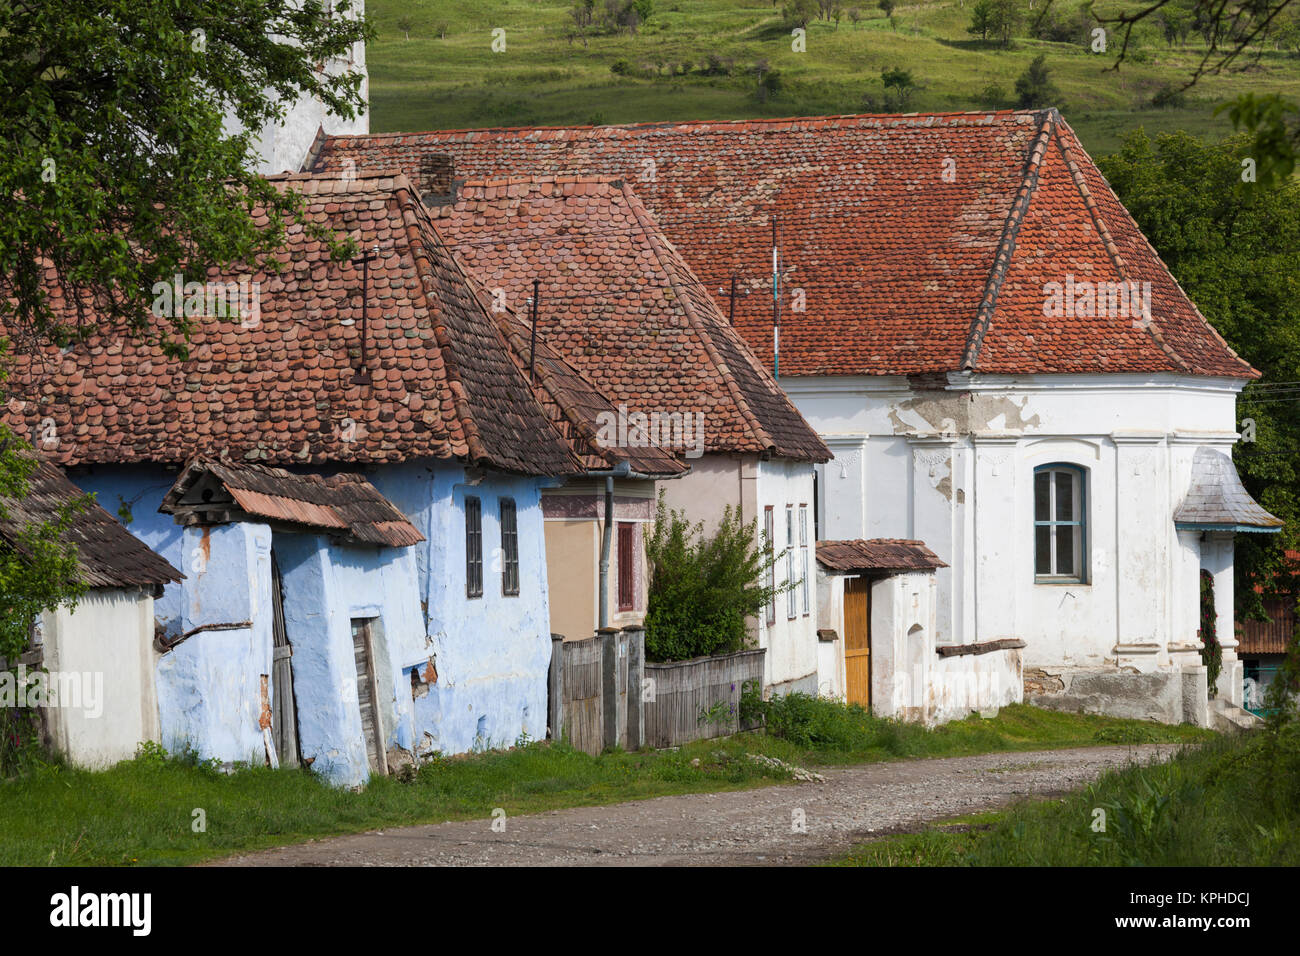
(831,731)
(1233,802)
(141,812)
(445,76)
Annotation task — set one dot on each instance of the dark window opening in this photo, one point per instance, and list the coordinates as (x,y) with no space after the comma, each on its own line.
(473,547)
(509,548)
(626,578)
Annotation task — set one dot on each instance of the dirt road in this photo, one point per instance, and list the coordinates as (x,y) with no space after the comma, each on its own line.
(748,827)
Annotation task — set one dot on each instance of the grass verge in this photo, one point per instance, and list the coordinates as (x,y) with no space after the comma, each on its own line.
(142,811)
(1232,802)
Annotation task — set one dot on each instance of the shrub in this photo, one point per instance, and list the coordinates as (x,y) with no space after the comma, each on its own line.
(703,589)
(1211,649)
(1033,87)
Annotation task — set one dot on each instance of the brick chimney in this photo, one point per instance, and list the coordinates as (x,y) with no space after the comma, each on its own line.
(438,185)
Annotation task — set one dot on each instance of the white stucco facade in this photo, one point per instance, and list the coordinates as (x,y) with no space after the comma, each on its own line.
(100,660)
(755,485)
(282,147)
(954,467)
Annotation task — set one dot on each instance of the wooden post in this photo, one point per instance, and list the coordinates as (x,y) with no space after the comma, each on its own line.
(610,734)
(635,677)
(555,689)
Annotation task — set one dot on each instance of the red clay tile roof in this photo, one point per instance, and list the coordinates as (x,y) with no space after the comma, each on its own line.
(345,505)
(877,554)
(620,304)
(902,271)
(575,407)
(108,555)
(443,383)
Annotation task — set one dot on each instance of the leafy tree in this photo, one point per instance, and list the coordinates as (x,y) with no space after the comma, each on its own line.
(1033,88)
(995,19)
(887,6)
(116,167)
(406,25)
(902,85)
(704,589)
(1234,36)
(799,13)
(1234,246)
(981,16)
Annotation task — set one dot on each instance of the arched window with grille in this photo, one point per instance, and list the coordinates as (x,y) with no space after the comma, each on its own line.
(1060,524)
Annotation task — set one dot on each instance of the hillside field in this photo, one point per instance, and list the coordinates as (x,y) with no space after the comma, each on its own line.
(447,76)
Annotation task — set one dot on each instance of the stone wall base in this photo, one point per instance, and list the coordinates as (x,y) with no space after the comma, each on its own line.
(1169,696)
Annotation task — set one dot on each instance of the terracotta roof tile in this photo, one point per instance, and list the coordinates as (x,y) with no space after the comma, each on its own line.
(278,387)
(621,306)
(922,243)
(345,505)
(877,554)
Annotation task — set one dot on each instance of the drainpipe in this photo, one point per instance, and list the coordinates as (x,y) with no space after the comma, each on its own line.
(606,538)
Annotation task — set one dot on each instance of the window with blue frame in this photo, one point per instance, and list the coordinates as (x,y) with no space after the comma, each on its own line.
(1060,524)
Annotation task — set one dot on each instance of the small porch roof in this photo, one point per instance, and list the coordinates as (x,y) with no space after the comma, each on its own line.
(345,505)
(888,555)
(1216,500)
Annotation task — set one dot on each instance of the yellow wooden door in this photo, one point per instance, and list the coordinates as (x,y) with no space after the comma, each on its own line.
(857,640)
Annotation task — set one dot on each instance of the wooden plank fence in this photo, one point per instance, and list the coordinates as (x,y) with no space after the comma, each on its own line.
(668,704)
(698,699)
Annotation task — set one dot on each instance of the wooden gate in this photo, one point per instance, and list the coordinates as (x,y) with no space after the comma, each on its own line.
(284,716)
(367,694)
(857,640)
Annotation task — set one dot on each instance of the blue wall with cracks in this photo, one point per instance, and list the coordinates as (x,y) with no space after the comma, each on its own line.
(481,662)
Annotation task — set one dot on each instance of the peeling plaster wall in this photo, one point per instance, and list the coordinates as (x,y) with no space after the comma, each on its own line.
(910,680)
(209,687)
(325,588)
(482,661)
(492,652)
(954,468)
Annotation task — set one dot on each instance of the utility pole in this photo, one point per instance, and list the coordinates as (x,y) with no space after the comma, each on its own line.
(776,299)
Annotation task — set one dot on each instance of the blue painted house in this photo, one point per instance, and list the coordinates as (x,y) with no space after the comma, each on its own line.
(350,468)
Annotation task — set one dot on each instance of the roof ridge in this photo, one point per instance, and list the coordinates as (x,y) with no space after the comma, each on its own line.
(566,179)
(488,309)
(1007,243)
(834,119)
(654,237)
(407,202)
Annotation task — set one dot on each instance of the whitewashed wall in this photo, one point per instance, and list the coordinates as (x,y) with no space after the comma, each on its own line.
(105,646)
(282,147)
(955,469)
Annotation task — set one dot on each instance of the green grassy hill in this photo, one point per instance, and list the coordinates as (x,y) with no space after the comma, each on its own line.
(447,76)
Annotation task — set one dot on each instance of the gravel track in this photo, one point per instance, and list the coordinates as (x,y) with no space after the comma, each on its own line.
(745,827)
